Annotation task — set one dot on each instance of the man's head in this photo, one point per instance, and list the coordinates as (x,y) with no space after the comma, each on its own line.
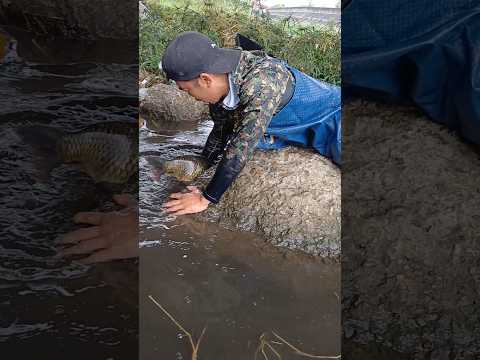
(199,67)
(210,88)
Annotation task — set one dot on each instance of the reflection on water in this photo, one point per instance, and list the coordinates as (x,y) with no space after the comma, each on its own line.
(234,283)
(48,302)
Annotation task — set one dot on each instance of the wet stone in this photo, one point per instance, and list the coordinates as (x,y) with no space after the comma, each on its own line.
(163,105)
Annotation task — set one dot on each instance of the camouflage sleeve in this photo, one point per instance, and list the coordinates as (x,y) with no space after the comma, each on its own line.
(217,140)
(260,94)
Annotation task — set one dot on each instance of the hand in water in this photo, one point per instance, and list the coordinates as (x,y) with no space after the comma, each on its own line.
(113,236)
(187,203)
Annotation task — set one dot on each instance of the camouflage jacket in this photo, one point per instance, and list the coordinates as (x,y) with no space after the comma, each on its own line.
(261,82)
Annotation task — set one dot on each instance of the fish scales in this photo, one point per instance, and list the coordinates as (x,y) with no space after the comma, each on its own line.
(186,168)
(107,151)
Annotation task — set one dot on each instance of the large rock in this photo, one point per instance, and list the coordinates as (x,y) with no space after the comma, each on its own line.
(108,19)
(163,105)
(410,233)
(65,31)
(291,197)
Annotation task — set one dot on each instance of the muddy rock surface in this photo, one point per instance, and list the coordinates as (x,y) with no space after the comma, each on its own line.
(411,225)
(291,197)
(72,18)
(162,105)
(71,31)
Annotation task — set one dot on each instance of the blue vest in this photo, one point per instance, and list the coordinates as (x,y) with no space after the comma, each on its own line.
(312,118)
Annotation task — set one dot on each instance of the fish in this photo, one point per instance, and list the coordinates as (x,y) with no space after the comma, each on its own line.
(106,151)
(186,168)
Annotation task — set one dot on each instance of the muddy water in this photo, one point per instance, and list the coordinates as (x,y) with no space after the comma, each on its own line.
(51,306)
(234,283)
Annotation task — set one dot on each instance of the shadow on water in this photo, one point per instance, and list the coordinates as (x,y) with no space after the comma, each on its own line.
(234,283)
(51,306)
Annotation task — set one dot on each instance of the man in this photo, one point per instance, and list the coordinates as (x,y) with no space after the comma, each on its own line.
(256,102)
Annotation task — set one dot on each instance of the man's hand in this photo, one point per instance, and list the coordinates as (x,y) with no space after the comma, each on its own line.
(187,203)
(113,236)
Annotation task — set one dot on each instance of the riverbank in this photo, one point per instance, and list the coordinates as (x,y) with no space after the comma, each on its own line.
(314,50)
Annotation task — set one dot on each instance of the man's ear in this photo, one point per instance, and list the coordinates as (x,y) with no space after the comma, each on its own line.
(205,79)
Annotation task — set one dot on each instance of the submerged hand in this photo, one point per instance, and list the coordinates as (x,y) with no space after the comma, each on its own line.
(187,203)
(113,236)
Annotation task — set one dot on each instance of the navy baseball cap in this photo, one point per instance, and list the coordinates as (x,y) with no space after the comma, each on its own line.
(192,53)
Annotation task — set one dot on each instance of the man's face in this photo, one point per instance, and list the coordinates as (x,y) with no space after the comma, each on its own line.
(207,88)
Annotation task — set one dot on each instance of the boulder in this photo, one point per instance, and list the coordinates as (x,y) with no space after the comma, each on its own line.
(291,197)
(108,19)
(410,232)
(163,105)
(65,31)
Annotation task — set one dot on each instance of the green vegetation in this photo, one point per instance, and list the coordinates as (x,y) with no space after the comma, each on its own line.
(314,50)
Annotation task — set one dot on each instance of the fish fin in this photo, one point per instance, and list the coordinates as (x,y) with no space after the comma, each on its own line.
(43,141)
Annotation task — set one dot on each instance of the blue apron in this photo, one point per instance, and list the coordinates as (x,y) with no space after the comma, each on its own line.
(312,118)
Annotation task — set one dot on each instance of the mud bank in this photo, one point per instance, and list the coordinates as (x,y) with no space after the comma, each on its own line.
(291,197)
(410,222)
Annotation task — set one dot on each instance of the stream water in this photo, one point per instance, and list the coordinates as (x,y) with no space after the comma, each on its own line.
(233,283)
(50,306)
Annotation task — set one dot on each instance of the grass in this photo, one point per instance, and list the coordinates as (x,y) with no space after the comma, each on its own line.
(265,345)
(313,50)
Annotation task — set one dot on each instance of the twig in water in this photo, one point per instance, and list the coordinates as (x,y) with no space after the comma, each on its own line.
(187,334)
(261,348)
(301,353)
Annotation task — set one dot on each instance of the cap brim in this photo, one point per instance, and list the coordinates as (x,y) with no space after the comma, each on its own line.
(226,61)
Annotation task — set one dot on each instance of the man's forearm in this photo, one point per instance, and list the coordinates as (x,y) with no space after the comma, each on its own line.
(236,155)
(227,171)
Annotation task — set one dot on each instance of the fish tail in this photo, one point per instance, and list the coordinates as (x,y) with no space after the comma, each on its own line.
(43,140)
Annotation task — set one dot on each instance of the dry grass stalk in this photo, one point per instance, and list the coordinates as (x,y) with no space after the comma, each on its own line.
(302,353)
(193,344)
(266,344)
